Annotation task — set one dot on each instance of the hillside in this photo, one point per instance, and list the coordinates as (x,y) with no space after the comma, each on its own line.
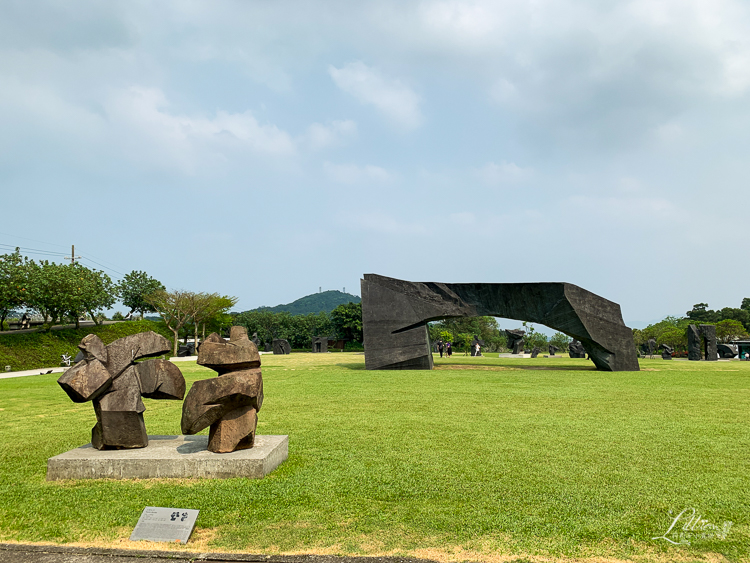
(34,350)
(325,302)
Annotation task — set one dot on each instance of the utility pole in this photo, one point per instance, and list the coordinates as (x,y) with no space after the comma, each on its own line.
(72,256)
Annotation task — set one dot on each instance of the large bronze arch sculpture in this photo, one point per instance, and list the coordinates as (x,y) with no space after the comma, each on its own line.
(395,314)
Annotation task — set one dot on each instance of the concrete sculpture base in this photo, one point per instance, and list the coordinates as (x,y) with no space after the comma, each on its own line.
(170,457)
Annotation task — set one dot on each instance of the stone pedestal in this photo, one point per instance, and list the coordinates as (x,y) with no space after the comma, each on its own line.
(169,457)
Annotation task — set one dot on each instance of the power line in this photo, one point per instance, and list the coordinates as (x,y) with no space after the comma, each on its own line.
(33,250)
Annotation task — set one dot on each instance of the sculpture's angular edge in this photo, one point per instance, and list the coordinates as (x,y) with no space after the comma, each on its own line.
(395,314)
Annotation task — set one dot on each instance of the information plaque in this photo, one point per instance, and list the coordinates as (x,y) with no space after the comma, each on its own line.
(165,524)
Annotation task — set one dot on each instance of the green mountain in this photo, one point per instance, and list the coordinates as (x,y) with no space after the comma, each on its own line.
(325,301)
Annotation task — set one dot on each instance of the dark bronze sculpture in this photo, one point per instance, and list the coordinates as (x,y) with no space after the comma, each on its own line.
(395,314)
(229,403)
(666,351)
(281,346)
(702,342)
(576,349)
(109,376)
(553,349)
(514,338)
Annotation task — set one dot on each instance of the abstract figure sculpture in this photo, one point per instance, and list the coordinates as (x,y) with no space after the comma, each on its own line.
(702,341)
(576,349)
(553,349)
(281,346)
(229,403)
(515,339)
(666,352)
(535,351)
(395,314)
(109,376)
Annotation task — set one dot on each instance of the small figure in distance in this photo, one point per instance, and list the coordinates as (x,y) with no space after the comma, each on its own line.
(25,321)
(440,347)
(448,349)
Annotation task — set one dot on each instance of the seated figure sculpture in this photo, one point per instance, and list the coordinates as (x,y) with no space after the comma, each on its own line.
(109,377)
(229,403)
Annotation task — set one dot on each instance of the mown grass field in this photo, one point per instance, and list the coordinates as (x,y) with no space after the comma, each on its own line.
(480,459)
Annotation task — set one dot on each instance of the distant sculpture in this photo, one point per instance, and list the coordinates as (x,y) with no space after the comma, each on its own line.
(320,344)
(576,349)
(535,352)
(667,352)
(726,350)
(186,350)
(515,339)
(395,314)
(229,403)
(651,346)
(281,346)
(553,349)
(109,377)
(255,340)
(702,342)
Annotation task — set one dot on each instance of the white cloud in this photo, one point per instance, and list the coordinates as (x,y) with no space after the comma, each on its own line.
(504,173)
(353,174)
(395,100)
(320,136)
(142,121)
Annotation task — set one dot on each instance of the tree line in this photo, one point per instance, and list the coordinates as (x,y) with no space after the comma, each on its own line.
(731,324)
(344,322)
(460,333)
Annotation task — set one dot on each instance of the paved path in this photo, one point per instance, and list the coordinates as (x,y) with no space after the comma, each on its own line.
(20,553)
(41,371)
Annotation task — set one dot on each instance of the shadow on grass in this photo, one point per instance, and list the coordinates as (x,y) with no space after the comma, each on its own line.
(513,368)
(352,366)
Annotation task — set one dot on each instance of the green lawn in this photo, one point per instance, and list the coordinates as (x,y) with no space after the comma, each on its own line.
(478,459)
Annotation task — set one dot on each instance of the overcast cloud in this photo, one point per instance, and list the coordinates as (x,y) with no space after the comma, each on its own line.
(266,149)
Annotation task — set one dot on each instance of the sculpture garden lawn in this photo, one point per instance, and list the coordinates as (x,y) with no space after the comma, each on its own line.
(480,459)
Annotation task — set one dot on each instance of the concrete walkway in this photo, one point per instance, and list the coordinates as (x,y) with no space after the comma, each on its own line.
(43,371)
(21,553)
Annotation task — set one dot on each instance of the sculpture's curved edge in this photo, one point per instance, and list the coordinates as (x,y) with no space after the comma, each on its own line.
(390,305)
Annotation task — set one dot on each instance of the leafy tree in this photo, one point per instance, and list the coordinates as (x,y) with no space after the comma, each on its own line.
(560,340)
(90,292)
(700,313)
(208,307)
(745,303)
(51,289)
(729,329)
(533,338)
(347,320)
(134,290)
(14,271)
(486,328)
(175,307)
(675,337)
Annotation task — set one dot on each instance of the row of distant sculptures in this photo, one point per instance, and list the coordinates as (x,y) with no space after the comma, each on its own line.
(516,343)
(702,344)
(110,377)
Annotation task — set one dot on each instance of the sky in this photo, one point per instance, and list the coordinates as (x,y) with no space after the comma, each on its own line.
(267,149)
